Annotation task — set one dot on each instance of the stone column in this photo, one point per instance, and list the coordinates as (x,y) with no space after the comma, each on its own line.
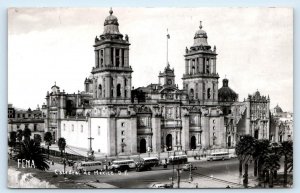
(186,66)
(96,58)
(111,137)
(123,87)
(121,57)
(156,129)
(129,86)
(133,136)
(215,65)
(201,64)
(206,135)
(185,131)
(190,66)
(115,87)
(108,88)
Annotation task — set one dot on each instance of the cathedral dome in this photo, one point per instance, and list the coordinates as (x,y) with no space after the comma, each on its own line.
(111,25)
(200,38)
(278,109)
(226,94)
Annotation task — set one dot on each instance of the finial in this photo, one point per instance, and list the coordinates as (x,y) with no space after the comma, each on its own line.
(200,25)
(225,75)
(110,11)
(54,83)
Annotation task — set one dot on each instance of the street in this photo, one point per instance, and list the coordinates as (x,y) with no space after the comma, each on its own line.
(223,173)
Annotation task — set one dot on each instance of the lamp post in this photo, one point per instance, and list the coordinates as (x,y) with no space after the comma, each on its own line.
(173,170)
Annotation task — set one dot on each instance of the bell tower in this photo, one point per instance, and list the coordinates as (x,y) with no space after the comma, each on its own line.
(200,79)
(112,72)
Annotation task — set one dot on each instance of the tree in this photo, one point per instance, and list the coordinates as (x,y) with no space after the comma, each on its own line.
(37,139)
(271,165)
(61,145)
(48,140)
(31,151)
(286,150)
(244,149)
(261,150)
(27,134)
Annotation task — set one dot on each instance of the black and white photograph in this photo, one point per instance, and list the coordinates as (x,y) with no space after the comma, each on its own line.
(151,98)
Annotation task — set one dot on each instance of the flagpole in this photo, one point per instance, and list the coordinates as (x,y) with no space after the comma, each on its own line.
(167,47)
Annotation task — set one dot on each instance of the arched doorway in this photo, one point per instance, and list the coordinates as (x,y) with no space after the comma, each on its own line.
(143,146)
(193,142)
(229,141)
(256,134)
(169,142)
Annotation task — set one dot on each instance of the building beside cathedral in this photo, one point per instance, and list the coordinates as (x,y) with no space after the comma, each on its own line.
(111,117)
(281,127)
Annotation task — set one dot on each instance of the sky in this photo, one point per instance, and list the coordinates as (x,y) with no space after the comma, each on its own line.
(48,45)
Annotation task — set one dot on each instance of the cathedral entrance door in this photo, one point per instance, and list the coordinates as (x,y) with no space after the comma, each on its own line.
(143,146)
(169,142)
(193,142)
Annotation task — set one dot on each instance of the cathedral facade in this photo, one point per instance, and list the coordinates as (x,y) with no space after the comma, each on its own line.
(112,118)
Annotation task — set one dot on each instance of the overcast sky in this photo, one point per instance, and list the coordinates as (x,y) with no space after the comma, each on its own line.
(254,46)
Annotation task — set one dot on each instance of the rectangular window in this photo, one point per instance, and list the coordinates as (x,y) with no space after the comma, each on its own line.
(123,57)
(98,130)
(81,128)
(64,127)
(112,56)
(72,127)
(117,57)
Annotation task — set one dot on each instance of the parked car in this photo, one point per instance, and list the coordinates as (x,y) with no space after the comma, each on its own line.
(187,167)
(161,186)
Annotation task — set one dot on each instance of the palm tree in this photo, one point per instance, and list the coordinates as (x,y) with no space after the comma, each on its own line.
(27,134)
(271,165)
(48,140)
(287,152)
(62,145)
(31,151)
(37,139)
(244,149)
(261,150)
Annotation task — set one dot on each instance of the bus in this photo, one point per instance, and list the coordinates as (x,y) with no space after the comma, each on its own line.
(90,166)
(218,156)
(178,159)
(145,164)
(122,165)
(151,161)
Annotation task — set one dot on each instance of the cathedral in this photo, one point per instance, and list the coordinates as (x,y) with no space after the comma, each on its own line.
(112,118)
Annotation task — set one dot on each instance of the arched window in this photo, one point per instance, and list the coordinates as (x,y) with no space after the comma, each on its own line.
(125,93)
(118,90)
(192,93)
(193,70)
(100,91)
(208,93)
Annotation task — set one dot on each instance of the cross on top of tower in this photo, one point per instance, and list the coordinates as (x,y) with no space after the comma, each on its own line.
(200,25)
(111,11)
